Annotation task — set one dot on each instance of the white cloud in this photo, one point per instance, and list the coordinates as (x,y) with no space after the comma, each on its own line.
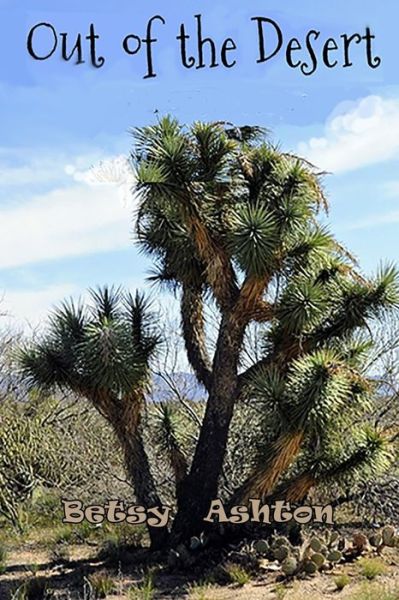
(25,308)
(26,166)
(115,170)
(374,221)
(358,134)
(71,221)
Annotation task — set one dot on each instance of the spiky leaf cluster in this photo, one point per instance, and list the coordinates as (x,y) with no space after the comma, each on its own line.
(257,204)
(104,345)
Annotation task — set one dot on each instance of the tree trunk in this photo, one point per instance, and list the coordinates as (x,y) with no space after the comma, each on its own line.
(200,486)
(141,477)
(124,417)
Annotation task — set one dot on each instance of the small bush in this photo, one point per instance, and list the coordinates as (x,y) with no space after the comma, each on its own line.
(113,551)
(3,553)
(82,531)
(144,591)
(63,535)
(372,568)
(101,585)
(280,591)
(342,581)
(199,591)
(237,574)
(375,592)
(35,588)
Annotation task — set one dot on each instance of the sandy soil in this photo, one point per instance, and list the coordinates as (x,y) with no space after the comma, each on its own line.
(68,580)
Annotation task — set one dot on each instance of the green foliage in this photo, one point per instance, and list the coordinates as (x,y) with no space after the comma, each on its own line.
(145,590)
(101,585)
(342,581)
(105,345)
(34,588)
(253,239)
(3,558)
(237,574)
(49,448)
(372,567)
(375,592)
(281,591)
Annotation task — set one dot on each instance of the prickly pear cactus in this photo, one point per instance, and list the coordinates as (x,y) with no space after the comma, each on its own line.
(281,553)
(316,544)
(289,566)
(261,547)
(318,559)
(375,540)
(334,556)
(310,567)
(389,536)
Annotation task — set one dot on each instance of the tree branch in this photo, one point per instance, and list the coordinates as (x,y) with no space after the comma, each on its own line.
(193,326)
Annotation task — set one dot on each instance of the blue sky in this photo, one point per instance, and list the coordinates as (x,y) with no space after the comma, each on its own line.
(64,228)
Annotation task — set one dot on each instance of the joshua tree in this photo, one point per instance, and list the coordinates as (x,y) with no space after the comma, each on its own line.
(233,221)
(229,218)
(102,351)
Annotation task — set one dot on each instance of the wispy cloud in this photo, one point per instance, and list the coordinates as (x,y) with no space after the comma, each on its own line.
(115,170)
(358,134)
(26,166)
(374,220)
(79,219)
(59,205)
(25,308)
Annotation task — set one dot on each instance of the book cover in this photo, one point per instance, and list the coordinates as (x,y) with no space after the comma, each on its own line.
(199,299)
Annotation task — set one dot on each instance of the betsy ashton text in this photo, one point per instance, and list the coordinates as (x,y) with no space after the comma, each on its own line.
(117,511)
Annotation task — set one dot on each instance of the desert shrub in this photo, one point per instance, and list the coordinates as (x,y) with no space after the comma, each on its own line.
(237,574)
(144,590)
(280,591)
(35,588)
(101,585)
(49,449)
(342,581)
(375,592)
(372,567)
